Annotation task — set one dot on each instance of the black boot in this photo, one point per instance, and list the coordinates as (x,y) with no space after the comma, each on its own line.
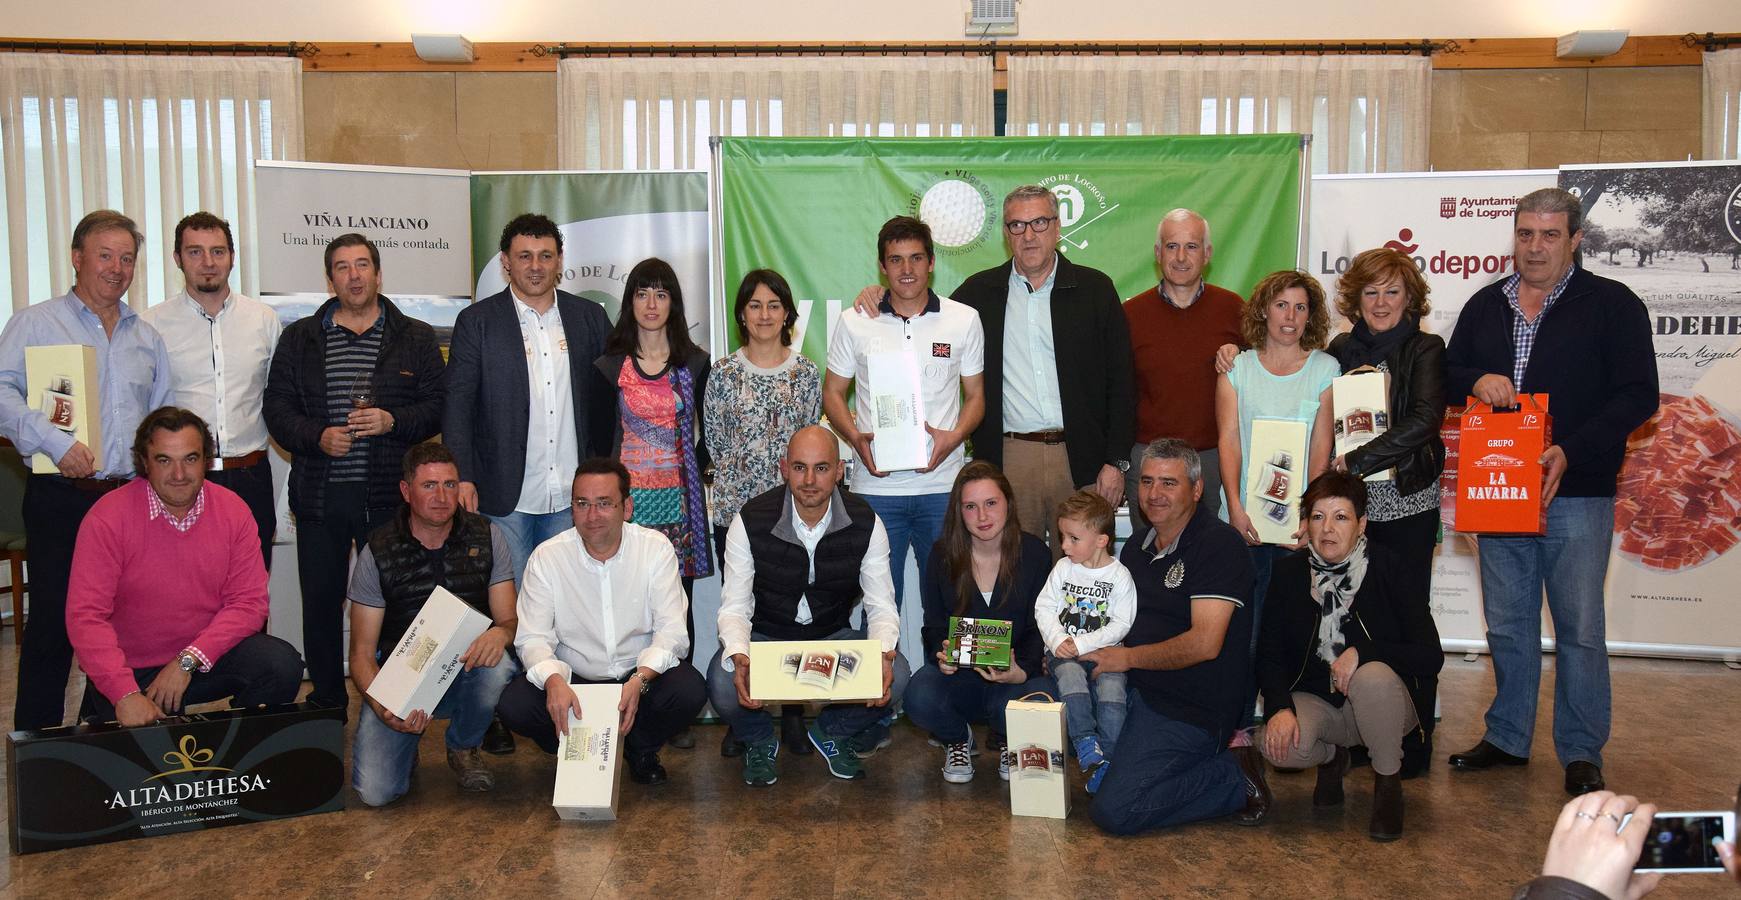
(793,735)
(1386,822)
(498,740)
(1329,789)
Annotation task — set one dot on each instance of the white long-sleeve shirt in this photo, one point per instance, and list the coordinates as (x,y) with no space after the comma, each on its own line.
(737,602)
(599,620)
(1093,606)
(219,365)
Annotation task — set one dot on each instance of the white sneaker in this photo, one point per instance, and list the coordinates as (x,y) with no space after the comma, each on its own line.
(1006,760)
(958,763)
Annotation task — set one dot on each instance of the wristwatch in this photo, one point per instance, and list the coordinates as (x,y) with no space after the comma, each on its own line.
(645,684)
(187,662)
(1123,465)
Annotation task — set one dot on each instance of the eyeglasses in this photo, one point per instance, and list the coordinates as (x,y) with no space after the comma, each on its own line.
(582,506)
(1041,225)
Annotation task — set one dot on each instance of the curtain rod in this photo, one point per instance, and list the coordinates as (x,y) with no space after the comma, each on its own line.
(1423,47)
(293,49)
(1709,41)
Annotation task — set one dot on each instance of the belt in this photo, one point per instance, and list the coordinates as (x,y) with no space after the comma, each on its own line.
(245,461)
(92,485)
(1038,437)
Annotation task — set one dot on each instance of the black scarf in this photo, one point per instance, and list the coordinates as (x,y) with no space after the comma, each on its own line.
(1364,348)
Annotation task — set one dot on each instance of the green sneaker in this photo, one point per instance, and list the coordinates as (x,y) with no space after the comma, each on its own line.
(759,765)
(841,762)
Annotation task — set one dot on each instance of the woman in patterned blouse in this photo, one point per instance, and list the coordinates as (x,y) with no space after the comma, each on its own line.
(756,399)
(659,379)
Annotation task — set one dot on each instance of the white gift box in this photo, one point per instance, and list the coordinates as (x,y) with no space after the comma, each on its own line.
(1361,405)
(589,758)
(417,674)
(1275,476)
(827,671)
(897,404)
(1039,784)
(61,382)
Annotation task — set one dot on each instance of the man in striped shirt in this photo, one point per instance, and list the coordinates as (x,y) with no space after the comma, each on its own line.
(351,388)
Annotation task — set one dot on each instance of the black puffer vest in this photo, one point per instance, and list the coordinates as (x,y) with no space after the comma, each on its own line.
(408,577)
(782,566)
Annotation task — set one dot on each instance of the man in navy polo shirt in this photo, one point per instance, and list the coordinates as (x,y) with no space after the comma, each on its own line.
(1189,658)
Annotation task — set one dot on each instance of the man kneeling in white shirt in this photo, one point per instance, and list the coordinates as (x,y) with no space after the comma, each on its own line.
(621,621)
(798,560)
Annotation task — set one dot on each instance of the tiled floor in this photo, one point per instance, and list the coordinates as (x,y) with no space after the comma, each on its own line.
(904,832)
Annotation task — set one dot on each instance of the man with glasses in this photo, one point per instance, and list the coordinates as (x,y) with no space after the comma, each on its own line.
(1059,394)
(621,622)
(1060,398)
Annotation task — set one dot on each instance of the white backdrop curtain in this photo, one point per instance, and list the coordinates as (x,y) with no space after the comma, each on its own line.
(156,137)
(1722,117)
(631,113)
(1365,113)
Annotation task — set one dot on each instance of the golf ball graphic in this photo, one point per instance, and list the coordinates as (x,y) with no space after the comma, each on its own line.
(955,210)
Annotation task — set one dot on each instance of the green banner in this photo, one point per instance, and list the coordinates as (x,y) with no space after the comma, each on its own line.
(810,208)
(609,222)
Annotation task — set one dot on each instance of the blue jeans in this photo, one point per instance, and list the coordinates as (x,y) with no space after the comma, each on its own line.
(1167,773)
(1099,712)
(947,705)
(914,521)
(839,720)
(525,531)
(1571,561)
(382,759)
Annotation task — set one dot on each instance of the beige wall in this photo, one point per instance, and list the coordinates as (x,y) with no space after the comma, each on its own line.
(482,121)
(1489,119)
(1542,118)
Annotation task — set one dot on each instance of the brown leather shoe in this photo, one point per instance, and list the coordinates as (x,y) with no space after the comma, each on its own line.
(1386,824)
(1257,793)
(1328,791)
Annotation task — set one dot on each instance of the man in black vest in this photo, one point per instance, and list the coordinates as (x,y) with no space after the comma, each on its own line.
(798,560)
(431,542)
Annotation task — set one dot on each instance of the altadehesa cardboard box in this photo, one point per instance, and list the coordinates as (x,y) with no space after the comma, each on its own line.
(829,671)
(1039,785)
(417,674)
(589,758)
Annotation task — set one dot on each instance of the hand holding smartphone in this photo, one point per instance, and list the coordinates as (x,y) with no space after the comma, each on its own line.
(1680,842)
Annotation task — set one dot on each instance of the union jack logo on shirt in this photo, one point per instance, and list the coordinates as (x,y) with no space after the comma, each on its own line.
(940,350)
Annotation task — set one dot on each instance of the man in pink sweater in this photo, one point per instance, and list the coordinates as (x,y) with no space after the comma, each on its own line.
(168,592)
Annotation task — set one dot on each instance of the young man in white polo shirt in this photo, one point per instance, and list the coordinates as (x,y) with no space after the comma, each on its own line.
(946,340)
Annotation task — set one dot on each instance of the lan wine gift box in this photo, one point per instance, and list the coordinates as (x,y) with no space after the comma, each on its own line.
(426,661)
(1360,402)
(61,381)
(91,784)
(1275,477)
(977,642)
(1039,785)
(828,671)
(589,758)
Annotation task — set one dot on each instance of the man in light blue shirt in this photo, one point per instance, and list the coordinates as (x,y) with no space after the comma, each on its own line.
(133,379)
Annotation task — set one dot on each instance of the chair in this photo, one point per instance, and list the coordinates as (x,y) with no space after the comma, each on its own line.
(14,472)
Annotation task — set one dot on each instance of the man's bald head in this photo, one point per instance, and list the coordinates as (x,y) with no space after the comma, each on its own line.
(811,469)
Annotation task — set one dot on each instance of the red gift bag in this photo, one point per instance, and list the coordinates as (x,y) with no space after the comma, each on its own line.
(1499,472)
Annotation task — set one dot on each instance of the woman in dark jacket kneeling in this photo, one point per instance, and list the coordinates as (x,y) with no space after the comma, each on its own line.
(1348,655)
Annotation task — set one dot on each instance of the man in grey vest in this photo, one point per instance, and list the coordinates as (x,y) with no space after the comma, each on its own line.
(431,542)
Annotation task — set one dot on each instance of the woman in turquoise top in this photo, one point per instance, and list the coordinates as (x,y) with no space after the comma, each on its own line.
(1285,375)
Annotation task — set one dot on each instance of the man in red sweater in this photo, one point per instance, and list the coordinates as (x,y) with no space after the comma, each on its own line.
(1175,328)
(168,592)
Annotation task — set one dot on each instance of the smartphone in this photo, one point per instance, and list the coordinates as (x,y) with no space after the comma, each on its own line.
(1685,841)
